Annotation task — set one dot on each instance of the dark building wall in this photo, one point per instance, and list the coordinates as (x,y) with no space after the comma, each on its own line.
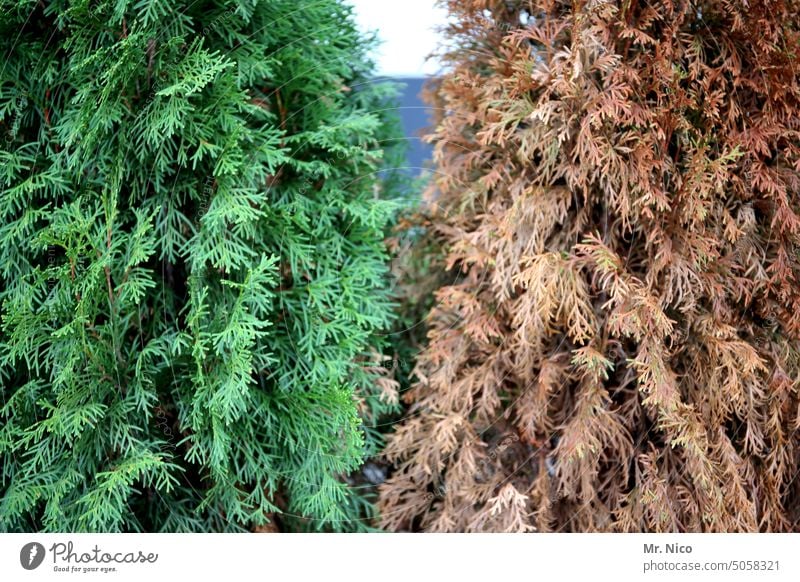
(415,117)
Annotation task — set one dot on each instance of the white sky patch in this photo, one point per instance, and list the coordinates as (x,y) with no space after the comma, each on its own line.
(407,30)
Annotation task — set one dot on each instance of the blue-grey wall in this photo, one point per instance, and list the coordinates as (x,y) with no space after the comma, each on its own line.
(415,117)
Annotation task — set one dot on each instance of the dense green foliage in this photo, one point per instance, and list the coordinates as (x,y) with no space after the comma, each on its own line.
(192,272)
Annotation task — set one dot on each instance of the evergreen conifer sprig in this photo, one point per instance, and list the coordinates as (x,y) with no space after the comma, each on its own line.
(193,274)
(617,188)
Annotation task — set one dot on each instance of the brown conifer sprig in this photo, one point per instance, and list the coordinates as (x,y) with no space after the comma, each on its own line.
(620,194)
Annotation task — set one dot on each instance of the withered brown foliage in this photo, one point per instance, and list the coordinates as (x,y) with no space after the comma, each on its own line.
(619,191)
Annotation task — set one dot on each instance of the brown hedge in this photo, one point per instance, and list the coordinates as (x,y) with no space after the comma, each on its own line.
(619,195)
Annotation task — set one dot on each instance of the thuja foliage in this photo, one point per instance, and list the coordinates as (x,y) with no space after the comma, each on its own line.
(618,194)
(192,272)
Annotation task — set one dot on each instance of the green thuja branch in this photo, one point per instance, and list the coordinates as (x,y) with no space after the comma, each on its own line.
(193,277)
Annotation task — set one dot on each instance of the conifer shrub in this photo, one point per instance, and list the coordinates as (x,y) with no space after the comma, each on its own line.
(192,270)
(619,195)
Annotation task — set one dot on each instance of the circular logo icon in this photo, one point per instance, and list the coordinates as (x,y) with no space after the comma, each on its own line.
(31,555)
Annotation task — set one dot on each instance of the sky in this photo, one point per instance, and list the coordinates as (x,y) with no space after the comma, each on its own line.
(406,29)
